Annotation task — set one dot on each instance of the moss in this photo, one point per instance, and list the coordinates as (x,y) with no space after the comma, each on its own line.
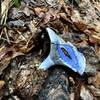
(16,3)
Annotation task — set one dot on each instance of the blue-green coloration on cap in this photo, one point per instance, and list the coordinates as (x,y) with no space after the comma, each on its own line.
(76,61)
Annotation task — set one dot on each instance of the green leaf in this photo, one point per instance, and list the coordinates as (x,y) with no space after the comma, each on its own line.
(16,3)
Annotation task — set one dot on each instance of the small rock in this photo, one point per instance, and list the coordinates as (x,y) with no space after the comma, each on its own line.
(85,94)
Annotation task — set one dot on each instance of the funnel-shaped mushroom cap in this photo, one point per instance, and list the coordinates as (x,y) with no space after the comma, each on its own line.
(74,60)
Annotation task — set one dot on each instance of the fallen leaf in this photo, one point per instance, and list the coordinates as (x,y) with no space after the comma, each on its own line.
(94,39)
(38,10)
(2,83)
(65,19)
(6,54)
(57,25)
(68,10)
(51,15)
(80,26)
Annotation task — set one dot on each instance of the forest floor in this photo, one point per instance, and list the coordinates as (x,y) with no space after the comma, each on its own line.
(24,44)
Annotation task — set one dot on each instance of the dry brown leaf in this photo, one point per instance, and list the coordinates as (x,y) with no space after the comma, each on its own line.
(94,39)
(6,54)
(38,10)
(9,53)
(2,83)
(66,19)
(94,91)
(84,28)
(24,46)
(57,25)
(80,26)
(61,2)
(83,43)
(66,28)
(68,10)
(23,39)
(51,15)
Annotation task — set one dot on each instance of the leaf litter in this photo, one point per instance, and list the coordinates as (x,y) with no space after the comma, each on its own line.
(24,44)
